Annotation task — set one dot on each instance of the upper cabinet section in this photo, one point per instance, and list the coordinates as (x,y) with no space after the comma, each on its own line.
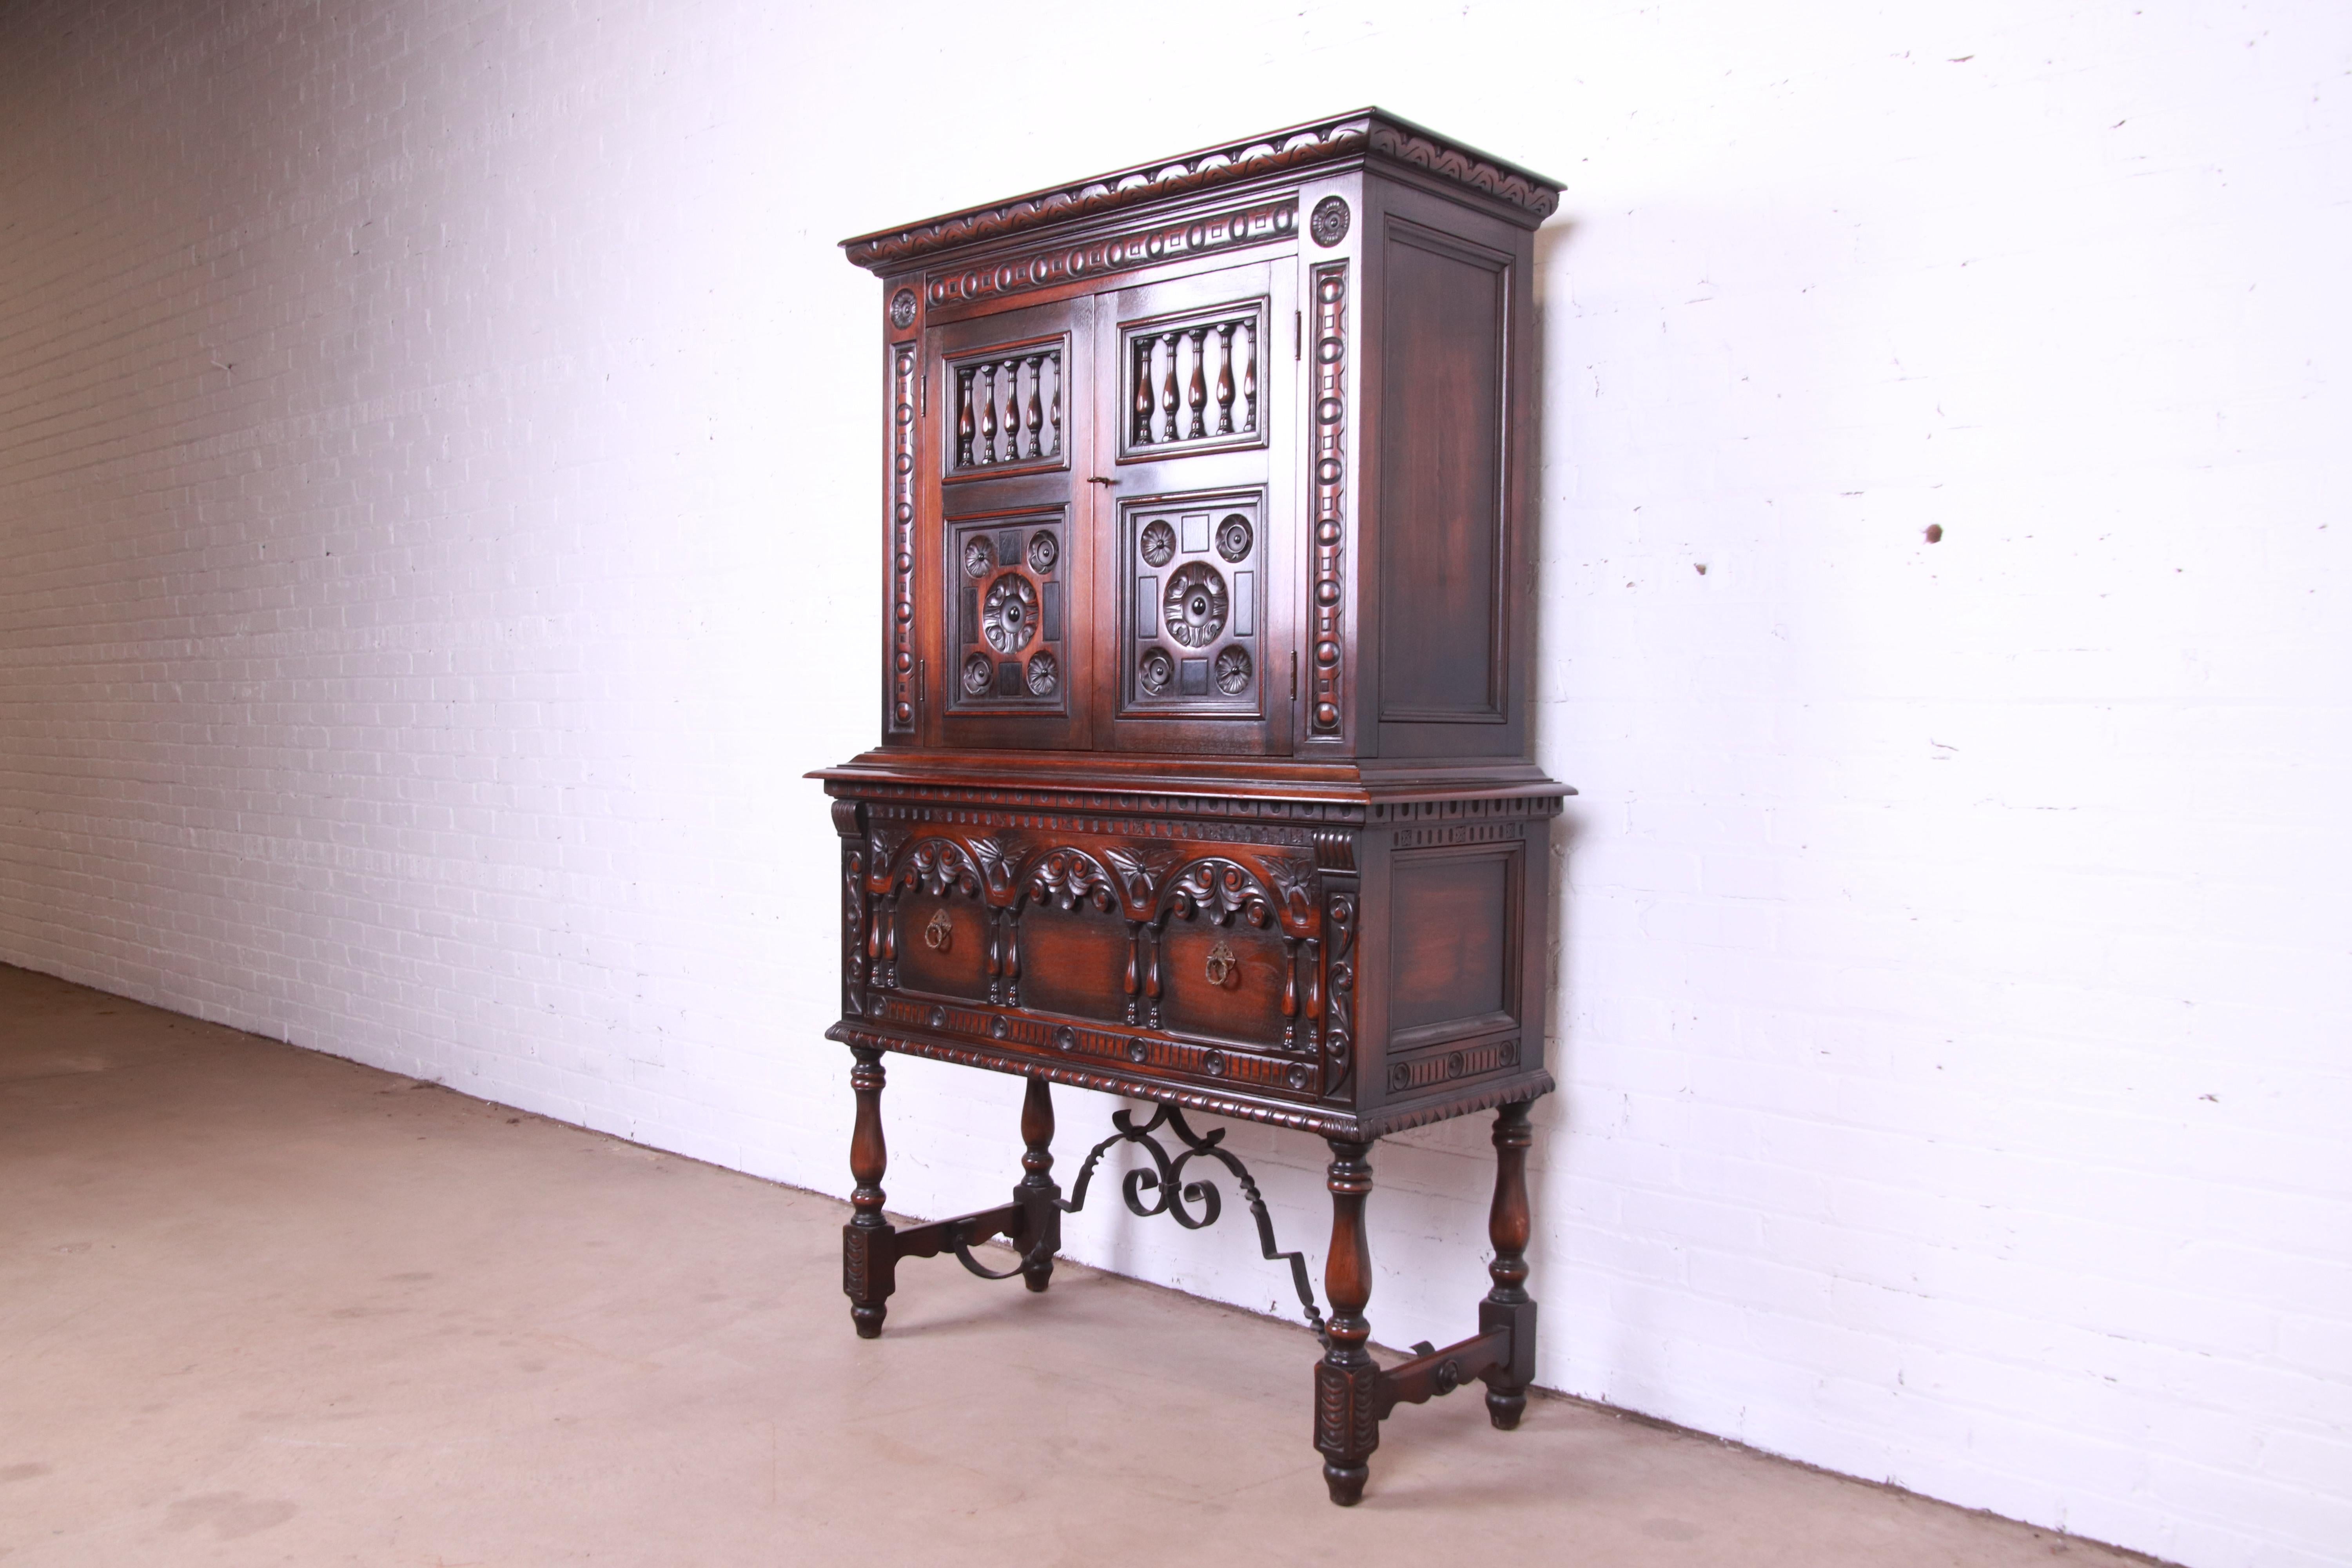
(1227,454)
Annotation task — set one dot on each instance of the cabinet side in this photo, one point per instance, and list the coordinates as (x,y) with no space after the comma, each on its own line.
(1444,534)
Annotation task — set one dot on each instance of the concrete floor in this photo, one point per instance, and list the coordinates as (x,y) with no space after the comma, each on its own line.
(262,1306)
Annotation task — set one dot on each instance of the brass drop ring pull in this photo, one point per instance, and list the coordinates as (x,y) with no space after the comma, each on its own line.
(1221,965)
(940,932)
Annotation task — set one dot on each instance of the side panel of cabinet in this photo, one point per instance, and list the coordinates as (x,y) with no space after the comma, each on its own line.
(1195,461)
(1446,317)
(1008,528)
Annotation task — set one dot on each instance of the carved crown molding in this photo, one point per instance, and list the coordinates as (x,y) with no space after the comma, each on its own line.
(1300,146)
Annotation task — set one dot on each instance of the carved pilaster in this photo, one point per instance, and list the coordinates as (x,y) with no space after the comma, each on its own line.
(1327,287)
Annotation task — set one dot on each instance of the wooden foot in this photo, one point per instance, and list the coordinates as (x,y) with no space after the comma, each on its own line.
(1348,1381)
(869,1254)
(1509,1308)
(1040,1229)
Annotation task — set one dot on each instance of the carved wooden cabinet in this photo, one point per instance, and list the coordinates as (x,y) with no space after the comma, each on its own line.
(1204,770)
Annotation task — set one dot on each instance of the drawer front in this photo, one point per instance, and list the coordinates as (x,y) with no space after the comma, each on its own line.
(1199,958)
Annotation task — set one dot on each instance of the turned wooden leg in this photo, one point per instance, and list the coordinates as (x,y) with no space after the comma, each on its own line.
(868,1261)
(1346,1380)
(1041,1219)
(1508,1305)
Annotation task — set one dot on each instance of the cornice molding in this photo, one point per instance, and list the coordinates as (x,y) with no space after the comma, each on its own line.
(1368,130)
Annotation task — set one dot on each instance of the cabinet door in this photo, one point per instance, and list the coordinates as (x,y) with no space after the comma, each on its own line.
(1013,434)
(1195,412)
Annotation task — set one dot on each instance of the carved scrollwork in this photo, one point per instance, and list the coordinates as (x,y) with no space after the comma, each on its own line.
(933,865)
(1339,1030)
(1219,889)
(853,920)
(1066,877)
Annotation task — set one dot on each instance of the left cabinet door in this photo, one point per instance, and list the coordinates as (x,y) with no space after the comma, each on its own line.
(1009,529)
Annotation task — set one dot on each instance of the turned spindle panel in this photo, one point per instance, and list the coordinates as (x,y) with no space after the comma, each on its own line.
(1192,383)
(1008,402)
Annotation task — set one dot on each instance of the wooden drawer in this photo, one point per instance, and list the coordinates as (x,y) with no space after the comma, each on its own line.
(1166,951)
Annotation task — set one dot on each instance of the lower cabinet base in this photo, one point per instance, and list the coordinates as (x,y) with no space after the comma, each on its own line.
(1352,1393)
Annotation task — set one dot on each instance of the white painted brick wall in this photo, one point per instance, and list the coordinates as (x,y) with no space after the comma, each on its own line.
(437,491)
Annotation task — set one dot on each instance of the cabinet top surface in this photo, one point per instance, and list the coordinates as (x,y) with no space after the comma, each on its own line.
(1340,138)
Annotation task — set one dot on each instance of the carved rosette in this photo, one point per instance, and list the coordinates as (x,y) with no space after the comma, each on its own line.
(902,539)
(1329,285)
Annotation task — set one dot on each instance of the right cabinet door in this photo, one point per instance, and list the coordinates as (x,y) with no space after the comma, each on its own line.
(1196,385)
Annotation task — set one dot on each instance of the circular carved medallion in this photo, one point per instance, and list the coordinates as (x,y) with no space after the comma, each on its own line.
(979,557)
(1154,670)
(1330,224)
(902,309)
(979,675)
(1008,617)
(1196,605)
(1233,672)
(1233,537)
(1043,552)
(1044,674)
(1158,542)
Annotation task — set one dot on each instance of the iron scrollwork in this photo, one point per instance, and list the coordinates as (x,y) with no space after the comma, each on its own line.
(1161,1188)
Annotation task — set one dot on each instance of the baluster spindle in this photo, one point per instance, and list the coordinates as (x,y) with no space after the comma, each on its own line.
(1143,390)
(1226,378)
(1249,376)
(1054,411)
(1013,410)
(963,419)
(1036,403)
(985,452)
(1197,393)
(1168,394)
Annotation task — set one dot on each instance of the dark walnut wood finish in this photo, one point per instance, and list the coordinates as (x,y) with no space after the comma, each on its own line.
(1204,769)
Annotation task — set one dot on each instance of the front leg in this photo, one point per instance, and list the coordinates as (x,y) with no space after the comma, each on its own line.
(1041,1211)
(870,1254)
(1348,1379)
(1507,1307)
